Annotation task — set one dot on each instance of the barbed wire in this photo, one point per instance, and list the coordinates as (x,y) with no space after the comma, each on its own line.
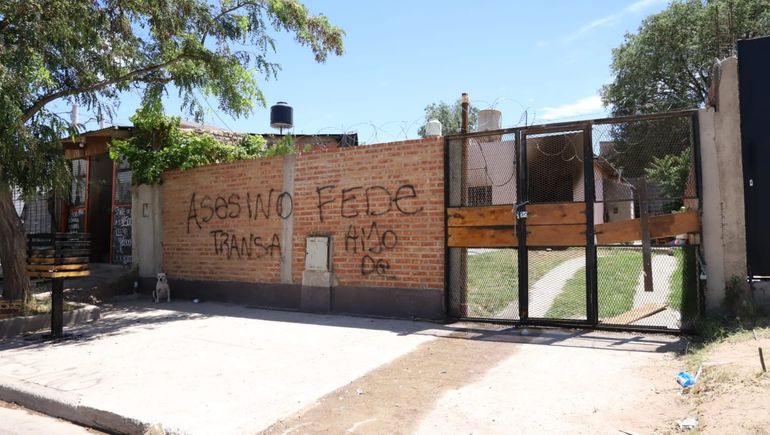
(370,132)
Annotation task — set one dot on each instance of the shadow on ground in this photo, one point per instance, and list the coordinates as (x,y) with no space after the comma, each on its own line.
(141,315)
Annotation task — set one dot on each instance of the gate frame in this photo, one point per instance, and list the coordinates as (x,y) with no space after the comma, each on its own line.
(522,199)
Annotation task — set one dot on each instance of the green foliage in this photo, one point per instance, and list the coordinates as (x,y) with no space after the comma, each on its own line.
(284,146)
(684,286)
(493,279)
(450,117)
(617,272)
(88,52)
(670,173)
(737,299)
(158,145)
(637,144)
(666,65)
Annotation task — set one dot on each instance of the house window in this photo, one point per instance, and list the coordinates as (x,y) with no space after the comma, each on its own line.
(479,196)
(123,184)
(79,174)
(550,184)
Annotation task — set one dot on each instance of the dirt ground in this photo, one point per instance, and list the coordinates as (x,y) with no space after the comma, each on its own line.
(733,394)
(490,386)
(462,384)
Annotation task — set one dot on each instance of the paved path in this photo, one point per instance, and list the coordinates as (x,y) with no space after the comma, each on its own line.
(215,368)
(573,385)
(663,267)
(545,290)
(482,380)
(199,368)
(15,420)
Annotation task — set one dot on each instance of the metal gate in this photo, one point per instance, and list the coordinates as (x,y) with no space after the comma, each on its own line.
(754,94)
(590,223)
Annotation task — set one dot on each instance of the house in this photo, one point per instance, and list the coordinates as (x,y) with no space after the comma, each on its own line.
(555,165)
(101,192)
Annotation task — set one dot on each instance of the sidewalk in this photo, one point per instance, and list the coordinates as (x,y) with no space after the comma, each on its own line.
(226,369)
(198,368)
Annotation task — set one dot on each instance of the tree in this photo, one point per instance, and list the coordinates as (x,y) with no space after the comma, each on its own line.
(88,52)
(450,117)
(667,64)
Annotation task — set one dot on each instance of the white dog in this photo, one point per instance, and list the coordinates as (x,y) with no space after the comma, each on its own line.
(162,290)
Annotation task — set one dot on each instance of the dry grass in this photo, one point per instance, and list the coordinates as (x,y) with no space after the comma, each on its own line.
(41,304)
(732,391)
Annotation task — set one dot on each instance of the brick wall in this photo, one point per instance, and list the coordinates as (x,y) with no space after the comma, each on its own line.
(382,206)
(222,223)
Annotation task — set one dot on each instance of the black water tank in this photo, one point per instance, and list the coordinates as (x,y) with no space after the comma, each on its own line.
(281,115)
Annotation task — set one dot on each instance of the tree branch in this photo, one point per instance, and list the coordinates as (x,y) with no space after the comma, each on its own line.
(222,14)
(45,99)
(698,83)
(6,21)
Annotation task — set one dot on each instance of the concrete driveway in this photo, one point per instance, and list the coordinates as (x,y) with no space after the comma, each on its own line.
(199,368)
(217,368)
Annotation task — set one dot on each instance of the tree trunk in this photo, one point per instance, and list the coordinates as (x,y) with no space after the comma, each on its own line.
(13,248)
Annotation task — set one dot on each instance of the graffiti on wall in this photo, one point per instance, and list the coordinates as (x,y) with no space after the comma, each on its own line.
(364,237)
(371,241)
(219,209)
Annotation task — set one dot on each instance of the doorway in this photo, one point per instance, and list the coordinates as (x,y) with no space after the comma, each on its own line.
(100,206)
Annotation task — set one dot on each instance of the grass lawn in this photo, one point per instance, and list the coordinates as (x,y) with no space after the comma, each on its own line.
(683,283)
(493,281)
(618,274)
(493,277)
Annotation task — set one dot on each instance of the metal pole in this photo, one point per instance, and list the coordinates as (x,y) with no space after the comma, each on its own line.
(57,307)
(522,197)
(641,190)
(464,117)
(57,284)
(592,286)
(463,262)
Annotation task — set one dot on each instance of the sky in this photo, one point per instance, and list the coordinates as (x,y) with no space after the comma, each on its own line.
(547,58)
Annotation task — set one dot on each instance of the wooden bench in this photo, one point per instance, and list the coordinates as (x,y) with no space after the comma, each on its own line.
(58,255)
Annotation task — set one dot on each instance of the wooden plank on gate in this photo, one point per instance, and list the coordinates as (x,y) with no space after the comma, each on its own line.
(635,314)
(564,213)
(674,224)
(630,230)
(480,237)
(495,215)
(556,235)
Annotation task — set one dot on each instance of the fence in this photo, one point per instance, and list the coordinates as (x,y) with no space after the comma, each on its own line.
(591,223)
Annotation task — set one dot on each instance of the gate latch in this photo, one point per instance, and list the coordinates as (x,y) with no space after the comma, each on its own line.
(521,214)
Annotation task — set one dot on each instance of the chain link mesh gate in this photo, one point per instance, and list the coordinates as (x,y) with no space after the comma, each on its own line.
(591,223)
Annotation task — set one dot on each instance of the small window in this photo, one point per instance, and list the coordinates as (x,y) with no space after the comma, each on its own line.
(123,184)
(79,174)
(479,196)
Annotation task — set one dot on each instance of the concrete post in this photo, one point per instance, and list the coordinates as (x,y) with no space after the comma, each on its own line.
(147,229)
(723,218)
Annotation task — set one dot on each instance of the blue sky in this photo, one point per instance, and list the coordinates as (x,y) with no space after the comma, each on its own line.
(547,57)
